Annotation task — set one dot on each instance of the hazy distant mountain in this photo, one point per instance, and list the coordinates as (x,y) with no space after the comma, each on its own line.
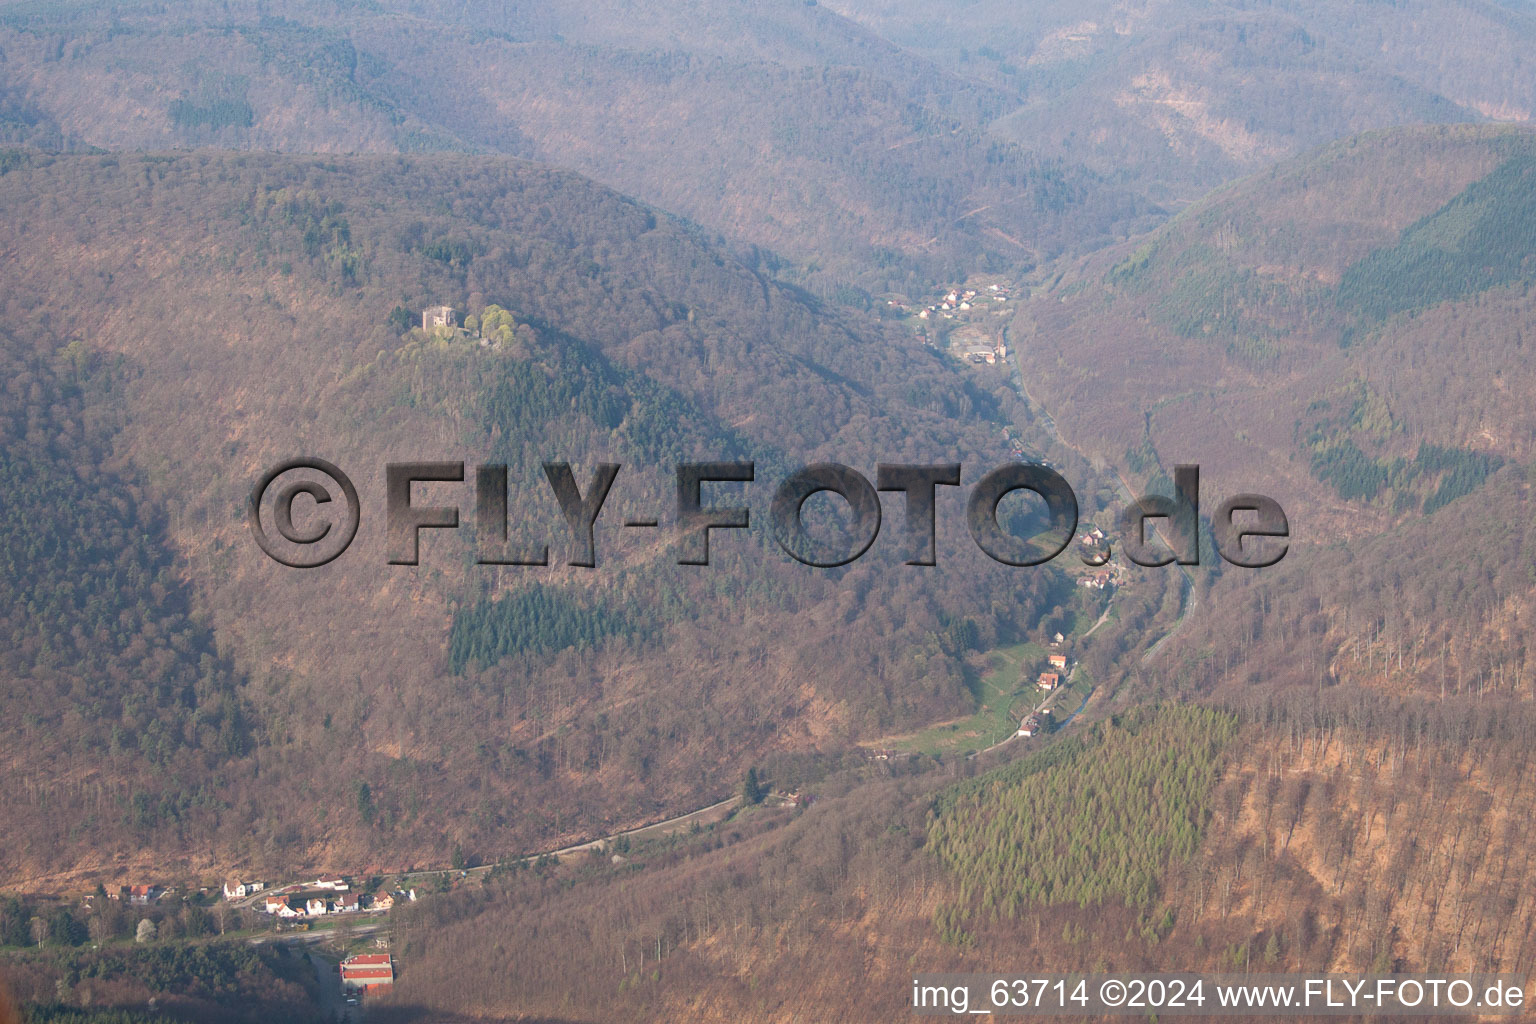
(779,124)
(1177,96)
(865,142)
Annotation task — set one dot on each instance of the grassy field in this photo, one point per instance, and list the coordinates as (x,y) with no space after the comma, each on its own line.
(1007,683)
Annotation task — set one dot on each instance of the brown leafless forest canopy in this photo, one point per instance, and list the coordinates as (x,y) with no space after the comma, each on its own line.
(1290,242)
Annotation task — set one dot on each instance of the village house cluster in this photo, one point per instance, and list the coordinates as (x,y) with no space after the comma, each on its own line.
(138,894)
(1050,679)
(971,341)
(958,300)
(1096,551)
(327,894)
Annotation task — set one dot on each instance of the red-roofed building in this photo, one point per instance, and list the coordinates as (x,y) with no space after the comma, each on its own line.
(367,971)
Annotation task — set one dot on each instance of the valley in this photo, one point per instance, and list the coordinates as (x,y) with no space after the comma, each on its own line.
(1290,243)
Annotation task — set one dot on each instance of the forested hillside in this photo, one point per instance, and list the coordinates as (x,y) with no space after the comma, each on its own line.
(1135,796)
(1293,840)
(1347,334)
(105,661)
(1348,288)
(212,981)
(1290,242)
(196,319)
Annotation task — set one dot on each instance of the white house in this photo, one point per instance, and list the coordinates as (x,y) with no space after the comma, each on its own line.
(316,906)
(333,882)
(286,912)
